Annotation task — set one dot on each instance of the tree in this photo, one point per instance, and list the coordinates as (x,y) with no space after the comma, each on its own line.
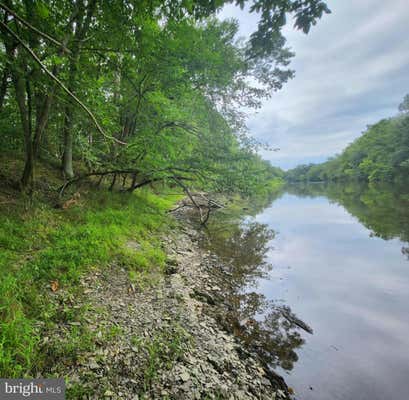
(156,96)
(380,154)
(404,106)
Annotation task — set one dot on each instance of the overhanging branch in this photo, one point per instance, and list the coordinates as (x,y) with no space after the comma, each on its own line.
(33,28)
(61,84)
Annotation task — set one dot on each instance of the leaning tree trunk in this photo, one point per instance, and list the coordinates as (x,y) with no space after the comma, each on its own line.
(42,113)
(27,179)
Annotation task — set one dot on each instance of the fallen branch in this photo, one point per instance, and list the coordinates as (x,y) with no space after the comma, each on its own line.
(152,180)
(62,188)
(179,207)
(296,321)
(186,190)
(135,186)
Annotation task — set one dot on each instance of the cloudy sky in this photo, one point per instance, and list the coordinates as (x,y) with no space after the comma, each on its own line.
(352,69)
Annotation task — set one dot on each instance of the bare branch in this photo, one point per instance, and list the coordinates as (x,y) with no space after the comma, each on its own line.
(186,190)
(146,178)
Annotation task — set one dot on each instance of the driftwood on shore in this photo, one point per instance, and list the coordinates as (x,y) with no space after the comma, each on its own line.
(201,202)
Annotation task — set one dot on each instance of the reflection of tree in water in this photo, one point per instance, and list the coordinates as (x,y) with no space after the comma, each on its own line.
(270,328)
(242,248)
(382,208)
(273,336)
(263,326)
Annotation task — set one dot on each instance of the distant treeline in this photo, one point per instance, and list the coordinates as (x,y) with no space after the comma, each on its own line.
(381,154)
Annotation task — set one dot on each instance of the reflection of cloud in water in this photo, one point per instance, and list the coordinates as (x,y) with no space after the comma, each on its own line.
(380,323)
(351,287)
(282,247)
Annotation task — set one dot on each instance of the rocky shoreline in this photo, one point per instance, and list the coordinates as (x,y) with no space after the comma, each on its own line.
(166,340)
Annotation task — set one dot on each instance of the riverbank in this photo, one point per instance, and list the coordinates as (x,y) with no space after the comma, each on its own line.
(114,294)
(160,341)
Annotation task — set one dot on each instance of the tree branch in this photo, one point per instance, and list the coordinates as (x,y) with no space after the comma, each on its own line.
(146,181)
(55,79)
(33,28)
(186,190)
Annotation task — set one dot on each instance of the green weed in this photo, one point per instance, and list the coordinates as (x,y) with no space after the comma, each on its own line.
(45,244)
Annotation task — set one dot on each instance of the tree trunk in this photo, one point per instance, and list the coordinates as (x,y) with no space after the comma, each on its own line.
(28,173)
(42,114)
(83,21)
(3,87)
(133,183)
(100,181)
(112,183)
(27,179)
(67,167)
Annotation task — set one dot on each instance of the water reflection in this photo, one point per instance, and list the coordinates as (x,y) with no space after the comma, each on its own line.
(347,246)
(381,208)
(268,327)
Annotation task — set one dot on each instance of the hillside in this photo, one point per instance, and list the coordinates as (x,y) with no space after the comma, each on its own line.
(381,153)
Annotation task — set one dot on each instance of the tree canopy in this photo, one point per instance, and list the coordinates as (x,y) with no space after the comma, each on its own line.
(141,90)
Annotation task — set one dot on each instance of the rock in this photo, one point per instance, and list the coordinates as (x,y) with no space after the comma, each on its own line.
(168,323)
(204,297)
(184,376)
(92,364)
(216,363)
(172,260)
(170,269)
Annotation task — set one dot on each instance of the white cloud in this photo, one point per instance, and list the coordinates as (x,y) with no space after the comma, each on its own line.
(351,70)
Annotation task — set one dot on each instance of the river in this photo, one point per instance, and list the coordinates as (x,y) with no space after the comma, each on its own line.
(333,259)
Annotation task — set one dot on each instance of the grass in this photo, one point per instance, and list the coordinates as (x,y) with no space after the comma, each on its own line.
(43,244)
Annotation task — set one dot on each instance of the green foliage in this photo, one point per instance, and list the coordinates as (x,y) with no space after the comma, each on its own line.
(137,92)
(381,154)
(380,207)
(160,84)
(17,336)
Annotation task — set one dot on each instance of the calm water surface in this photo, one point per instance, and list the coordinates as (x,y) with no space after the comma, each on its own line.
(337,259)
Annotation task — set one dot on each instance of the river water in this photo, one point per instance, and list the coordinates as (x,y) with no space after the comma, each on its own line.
(334,260)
